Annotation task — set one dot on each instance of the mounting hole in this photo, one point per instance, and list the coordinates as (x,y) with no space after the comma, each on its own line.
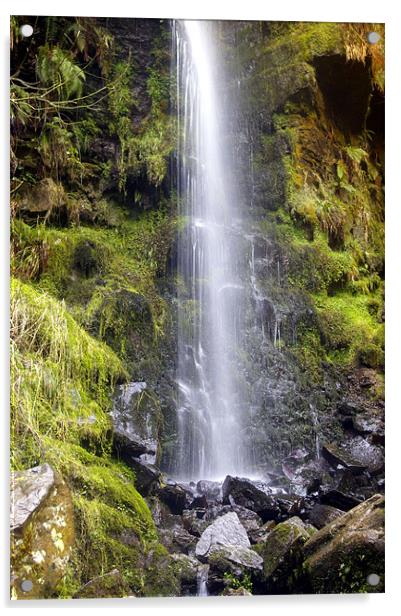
(373,38)
(26,585)
(373,579)
(26,30)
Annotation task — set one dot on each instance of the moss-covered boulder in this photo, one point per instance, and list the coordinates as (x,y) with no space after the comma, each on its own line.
(42,532)
(341,556)
(282,555)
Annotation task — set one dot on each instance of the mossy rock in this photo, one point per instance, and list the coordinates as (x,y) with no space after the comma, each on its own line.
(42,532)
(341,556)
(282,555)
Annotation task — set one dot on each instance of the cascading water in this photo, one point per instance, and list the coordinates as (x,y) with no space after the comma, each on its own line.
(211,411)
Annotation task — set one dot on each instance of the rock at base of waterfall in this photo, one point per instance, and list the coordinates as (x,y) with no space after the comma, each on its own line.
(225,531)
(232,562)
(343,554)
(320,515)
(111,584)
(338,457)
(338,499)
(147,476)
(187,571)
(42,531)
(282,554)
(251,495)
(176,497)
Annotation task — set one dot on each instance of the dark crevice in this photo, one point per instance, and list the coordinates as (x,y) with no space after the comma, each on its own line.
(346,87)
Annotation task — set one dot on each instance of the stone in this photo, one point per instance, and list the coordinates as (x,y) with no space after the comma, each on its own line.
(282,555)
(260,535)
(337,456)
(111,584)
(147,476)
(336,498)
(175,497)
(211,489)
(236,592)
(341,556)
(320,515)
(42,198)
(251,495)
(365,453)
(232,563)
(373,426)
(225,531)
(42,531)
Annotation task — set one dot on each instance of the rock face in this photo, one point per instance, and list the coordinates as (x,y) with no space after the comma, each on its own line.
(225,531)
(134,422)
(282,555)
(42,531)
(341,556)
(248,494)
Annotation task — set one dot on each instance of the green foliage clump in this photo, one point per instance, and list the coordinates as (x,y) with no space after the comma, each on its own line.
(60,376)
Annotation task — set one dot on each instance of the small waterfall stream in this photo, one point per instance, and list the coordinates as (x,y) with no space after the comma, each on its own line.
(211,411)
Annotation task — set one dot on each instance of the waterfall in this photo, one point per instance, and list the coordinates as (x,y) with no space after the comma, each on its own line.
(210,412)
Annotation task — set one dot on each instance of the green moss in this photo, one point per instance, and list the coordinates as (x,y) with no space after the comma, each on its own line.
(349,331)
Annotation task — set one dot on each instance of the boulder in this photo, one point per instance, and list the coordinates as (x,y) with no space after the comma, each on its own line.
(251,495)
(42,531)
(338,457)
(368,425)
(210,489)
(175,497)
(228,563)
(338,499)
(147,476)
(260,535)
(341,556)
(226,531)
(111,584)
(366,454)
(282,555)
(42,198)
(320,515)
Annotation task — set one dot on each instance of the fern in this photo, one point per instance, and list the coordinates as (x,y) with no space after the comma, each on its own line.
(55,68)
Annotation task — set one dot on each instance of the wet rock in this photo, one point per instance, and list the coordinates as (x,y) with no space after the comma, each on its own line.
(251,495)
(211,489)
(365,453)
(147,476)
(289,504)
(42,531)
(177,539)
(341,556)
(175,497)
(320,515)
(186,568)
(199,502)
(260,535)
(336,498)
(231,562)
(194,521)
(133,420)
(225,531)
(111,584)
(372,426)
(337,456)
(282,555)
